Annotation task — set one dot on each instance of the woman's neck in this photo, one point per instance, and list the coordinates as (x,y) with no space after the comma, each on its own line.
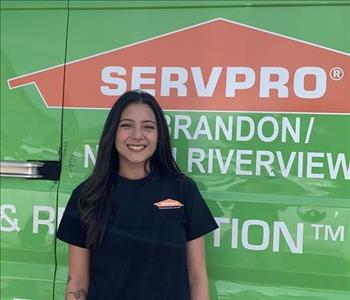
(134,172)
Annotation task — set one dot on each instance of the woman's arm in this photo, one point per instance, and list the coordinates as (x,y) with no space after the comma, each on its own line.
(78,273)
(197,269)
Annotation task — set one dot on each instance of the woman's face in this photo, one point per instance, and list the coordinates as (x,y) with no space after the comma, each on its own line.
(136,137)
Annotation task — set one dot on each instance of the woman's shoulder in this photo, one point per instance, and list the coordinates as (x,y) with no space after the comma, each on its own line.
(78,188)
(180,179)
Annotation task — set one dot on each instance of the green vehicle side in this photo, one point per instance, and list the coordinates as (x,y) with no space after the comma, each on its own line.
(38,35)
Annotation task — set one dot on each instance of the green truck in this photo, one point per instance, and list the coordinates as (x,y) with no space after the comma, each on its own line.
(257,99)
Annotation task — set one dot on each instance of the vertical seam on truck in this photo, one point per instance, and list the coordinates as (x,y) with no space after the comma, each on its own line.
(62,150)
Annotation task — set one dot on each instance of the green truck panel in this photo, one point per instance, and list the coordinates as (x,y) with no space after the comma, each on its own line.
(275,175)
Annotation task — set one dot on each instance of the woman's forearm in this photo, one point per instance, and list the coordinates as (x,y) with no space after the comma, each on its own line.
(197,271)
(76,289)
(199,289)
(78,274)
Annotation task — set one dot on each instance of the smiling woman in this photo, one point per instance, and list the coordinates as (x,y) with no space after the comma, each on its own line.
(136,140)
(136,224)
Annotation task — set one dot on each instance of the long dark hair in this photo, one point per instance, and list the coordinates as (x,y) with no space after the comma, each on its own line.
(94,205)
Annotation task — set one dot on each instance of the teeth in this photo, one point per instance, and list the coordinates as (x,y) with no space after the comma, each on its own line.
(136,147)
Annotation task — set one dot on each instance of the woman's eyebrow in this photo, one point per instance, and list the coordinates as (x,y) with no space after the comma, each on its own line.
(149,121)
(143,121)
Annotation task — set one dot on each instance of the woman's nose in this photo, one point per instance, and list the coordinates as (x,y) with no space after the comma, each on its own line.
(138,134)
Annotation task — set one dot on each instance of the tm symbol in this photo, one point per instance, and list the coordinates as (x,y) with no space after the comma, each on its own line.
(326,232)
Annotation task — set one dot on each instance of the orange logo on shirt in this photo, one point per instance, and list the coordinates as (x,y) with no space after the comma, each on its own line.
(168,204)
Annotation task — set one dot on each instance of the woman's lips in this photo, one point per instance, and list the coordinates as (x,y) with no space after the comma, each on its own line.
(136,148)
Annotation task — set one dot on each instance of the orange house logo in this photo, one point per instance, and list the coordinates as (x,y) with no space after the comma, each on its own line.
(219,65)
(168,204)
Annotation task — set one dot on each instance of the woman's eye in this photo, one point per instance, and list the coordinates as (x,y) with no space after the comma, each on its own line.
(124,125)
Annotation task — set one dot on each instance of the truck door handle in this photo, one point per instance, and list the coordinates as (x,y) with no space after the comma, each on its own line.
(49,170)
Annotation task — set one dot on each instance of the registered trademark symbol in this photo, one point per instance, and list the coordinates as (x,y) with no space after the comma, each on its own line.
(336,73)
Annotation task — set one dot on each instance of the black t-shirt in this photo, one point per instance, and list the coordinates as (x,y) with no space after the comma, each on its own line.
(143,252)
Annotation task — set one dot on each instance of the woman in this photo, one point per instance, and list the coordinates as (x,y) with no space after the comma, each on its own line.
(135,226)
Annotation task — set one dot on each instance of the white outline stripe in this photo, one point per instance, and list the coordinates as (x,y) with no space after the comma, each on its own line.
(185,29)
(221,111)
(40,94)
(171,33)
(290,38)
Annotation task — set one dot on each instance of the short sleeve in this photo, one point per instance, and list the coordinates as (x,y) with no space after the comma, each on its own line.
(71,228)
(200,221)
